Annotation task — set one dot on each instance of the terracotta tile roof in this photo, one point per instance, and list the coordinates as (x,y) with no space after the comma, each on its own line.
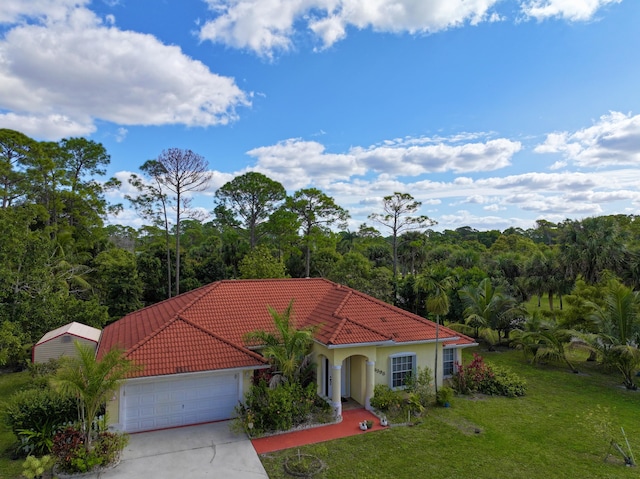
(205,328)
(181,347)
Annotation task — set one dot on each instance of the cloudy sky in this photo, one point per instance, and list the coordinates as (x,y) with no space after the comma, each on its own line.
(493,113)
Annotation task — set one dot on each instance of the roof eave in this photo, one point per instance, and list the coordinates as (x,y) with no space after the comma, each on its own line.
(357,345)
(460,346)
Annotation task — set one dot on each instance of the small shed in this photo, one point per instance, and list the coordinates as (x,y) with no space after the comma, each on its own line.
(60,341)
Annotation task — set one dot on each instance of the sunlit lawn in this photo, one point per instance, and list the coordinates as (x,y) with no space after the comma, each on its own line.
(542,435)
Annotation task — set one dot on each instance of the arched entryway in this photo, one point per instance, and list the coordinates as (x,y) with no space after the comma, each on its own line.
(350,380)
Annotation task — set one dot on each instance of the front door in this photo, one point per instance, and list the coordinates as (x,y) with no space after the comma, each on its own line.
(345,378)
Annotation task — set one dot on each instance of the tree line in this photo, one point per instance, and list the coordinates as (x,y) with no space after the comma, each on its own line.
(60,262)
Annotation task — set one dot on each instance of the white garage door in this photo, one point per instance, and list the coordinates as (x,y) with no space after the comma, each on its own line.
(170,402)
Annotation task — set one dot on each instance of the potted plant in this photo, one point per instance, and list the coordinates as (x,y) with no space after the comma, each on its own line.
(363,425)
(444,396)
(369,423)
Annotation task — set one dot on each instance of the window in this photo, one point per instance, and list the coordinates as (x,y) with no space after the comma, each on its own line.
(402,367)
(448,361)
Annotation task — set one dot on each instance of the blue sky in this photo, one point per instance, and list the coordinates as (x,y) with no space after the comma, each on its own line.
(492,113)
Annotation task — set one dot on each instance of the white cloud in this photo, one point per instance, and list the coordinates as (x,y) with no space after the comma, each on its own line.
(613,140)
(297,163)
(121,134)
(124,77)
(572,10)
(47,126)
(13,11)
(269,26)
(416,160)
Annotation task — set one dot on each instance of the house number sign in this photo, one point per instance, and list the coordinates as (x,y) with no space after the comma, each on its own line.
(380,371)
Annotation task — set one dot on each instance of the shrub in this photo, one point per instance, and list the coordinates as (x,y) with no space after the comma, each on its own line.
(279,409)
(477,376)
(35,415)
(421,386)
(33,467)
(74,457)
(385,398)
(505,383)
(444,396)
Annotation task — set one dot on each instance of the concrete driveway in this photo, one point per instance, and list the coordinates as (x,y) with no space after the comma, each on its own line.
(194,452)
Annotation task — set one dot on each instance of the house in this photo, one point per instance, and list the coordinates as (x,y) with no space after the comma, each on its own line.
(196,365)
(60,342)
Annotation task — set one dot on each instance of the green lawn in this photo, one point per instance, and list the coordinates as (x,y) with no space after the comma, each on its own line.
(9,383)
(541,435)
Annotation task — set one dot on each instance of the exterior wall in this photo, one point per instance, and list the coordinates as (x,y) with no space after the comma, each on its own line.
(425,356)
(60,346)
(113,408)
(358,378)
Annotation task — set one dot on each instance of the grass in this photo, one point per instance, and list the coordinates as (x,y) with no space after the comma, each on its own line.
(543,434)
(9,383)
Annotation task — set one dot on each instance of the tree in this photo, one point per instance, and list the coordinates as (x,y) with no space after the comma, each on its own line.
(11,340)
(545,339)
(15,149)
(253,197)
(396,209)
(437,290)
(92,381)
(152,204)
(357,272)
(618,325)
(287,348)
(118,283)
(260,263)
(488,306)
(592,246)
(182,172)
(315,210)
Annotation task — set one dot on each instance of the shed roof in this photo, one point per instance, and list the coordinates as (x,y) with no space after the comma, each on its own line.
(75,329)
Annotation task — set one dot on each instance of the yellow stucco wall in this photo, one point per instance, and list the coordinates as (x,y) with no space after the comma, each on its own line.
(425,356)
(113,408)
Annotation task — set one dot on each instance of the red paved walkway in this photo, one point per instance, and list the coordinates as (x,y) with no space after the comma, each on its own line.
(348,427)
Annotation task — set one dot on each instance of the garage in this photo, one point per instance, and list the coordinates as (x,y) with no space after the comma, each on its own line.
(161,402)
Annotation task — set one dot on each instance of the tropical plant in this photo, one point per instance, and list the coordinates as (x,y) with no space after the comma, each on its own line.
(35,415)
(437,303)
(489,306)
(287,348)
(91,381)
(618,326)
(546,340)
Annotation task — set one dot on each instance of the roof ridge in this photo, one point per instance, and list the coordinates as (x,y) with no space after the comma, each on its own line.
(203,290)
(396,309)
(224,340)
(344,300)
(147,338)
(358,323)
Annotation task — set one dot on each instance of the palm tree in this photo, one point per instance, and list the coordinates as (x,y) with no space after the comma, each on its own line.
(488,306)
(546,340)
(92,381)
(437,302)
(288,348)
(618,325)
